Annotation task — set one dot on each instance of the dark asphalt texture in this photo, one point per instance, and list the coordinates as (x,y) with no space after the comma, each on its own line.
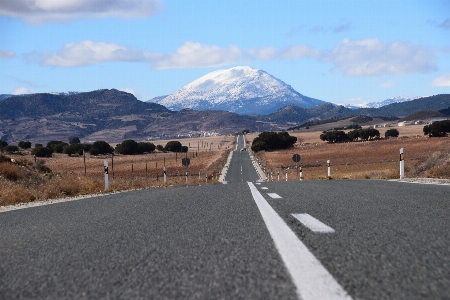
(392,241)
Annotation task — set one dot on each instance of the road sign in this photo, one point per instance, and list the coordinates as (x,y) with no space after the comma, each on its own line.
(296,158)
(186,161)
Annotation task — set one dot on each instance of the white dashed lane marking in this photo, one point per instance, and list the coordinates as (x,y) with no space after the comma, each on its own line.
(310,277)
(313,224)
(274,195)
(264,188)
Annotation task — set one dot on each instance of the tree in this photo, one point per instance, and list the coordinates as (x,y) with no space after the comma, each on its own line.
(146,147)
(270,141)
(335,136)
(160,148)
(42,152)
(77,148)
(24,145)
(74,140)
(437,129)
(57,146)
(245,131)
(391,133)
(173,146)
(353,135)
(11,148)
(127,147)
(100,147)
(3,144)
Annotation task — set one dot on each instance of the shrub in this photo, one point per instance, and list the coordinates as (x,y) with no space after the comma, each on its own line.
(146,147)
(74,140)
(57,146)
(160,148)
(173,146)
(9,171)
(77,149)
(24,145)
(3,144)
(10,149)
(437,129)
(273,141)
(127,147)
(42,152)
(335,136)
(101,147)
(391,133)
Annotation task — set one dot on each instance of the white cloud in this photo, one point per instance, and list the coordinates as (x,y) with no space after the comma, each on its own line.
(387,84)
(39,11)
(21,91)
(6,54)
(443,80)
(89,53)
(195,55)
(371,57)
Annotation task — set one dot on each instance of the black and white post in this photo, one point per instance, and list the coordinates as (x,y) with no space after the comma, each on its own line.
(165,175)
(329,169)
(105,166)
(402,164)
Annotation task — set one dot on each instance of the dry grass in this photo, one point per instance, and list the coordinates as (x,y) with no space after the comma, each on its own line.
(363,160)
(64,176)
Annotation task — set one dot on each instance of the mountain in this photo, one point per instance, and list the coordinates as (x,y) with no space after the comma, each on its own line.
(242,90)
(5,96)
(378,104)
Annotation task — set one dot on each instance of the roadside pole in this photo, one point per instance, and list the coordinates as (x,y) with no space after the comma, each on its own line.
(301,174)
(402,164)
(329,169)
(165,176)
(105,166)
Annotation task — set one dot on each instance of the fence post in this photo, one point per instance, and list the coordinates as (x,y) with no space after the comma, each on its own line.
(301,174)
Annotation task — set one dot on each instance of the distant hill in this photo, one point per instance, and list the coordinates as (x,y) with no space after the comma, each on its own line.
(424,115)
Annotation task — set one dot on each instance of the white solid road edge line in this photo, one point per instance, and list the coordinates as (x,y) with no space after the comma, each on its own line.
(313,224)
(312,280)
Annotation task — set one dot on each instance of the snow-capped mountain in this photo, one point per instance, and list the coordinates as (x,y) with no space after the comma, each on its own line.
(243,90)
(378,104)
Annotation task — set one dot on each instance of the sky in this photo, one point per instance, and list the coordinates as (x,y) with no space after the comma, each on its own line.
(340,51)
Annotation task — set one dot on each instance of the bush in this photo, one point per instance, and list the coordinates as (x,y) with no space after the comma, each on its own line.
(127,147)
(76,149)
(273,141)
(391,133)
(74,140)
(42,152)
(10,149)
(9,171)
(3,144)
(24,145)
(335,136)
(145,147)
(57,146)
(100,147)
(437,129)
(160,148)
(173,146)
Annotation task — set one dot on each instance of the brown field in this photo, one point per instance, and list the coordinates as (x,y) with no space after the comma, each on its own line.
(424,157)
(62,176)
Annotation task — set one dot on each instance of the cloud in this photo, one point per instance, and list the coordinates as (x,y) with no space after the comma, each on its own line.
(387,84)
(371,57)
(443,80)
(196,55)
(21,91)
(90,53)
(7,54)
(342,28)
(39,11)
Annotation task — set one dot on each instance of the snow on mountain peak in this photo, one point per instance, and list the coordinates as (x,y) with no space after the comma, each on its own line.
(235,89)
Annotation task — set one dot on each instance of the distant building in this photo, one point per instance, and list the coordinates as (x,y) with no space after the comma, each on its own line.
(404,123)
(438,120)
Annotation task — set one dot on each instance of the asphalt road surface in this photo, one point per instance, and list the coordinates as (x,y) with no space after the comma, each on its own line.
(332,239)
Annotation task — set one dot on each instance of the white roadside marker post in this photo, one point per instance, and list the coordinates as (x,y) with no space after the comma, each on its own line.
(278,175)
(165,175)
(329,169)
(286,175)
(105,166)
(301,174)
(402,164)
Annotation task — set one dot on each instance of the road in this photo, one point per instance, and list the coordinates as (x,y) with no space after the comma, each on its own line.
(241,240)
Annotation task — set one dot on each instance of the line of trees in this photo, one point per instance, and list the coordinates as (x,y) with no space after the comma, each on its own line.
(437,129)
(270,141)
(339,136)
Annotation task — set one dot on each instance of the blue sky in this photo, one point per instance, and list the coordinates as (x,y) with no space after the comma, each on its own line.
(345,52)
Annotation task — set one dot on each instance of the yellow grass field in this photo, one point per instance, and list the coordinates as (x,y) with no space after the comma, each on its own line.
(358,160)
